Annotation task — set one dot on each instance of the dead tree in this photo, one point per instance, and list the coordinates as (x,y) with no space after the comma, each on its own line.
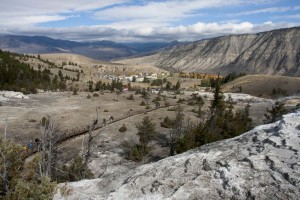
(48,148)
(87,153)
(6,119)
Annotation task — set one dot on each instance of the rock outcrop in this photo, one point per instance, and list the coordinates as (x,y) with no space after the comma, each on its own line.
(260,164)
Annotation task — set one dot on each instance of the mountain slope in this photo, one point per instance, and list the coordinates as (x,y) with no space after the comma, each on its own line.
(100,50)
(276,52)
(273,52)
(260,164)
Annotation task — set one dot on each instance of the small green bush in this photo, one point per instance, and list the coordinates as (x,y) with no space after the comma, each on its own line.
(130,97)
(106,110)
(167,104)
(167,123)
(95,95)
(142,103)
(171,109)
(134,152)
(180,100)
(75,91)
(123,128)
(88,96)
(44,121)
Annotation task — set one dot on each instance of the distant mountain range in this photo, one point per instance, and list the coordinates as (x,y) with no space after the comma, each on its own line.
(101,50)
(272,52)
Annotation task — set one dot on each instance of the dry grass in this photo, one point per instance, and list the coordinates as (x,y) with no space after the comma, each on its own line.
(263,85)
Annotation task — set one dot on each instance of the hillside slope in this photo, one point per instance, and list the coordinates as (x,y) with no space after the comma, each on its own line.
(264,85)
(272,52)
(260,164)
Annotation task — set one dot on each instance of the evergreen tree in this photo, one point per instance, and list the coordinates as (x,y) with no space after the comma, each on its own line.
(176,131)
(168,85)
(275,112)
(91,89)
(177,86)
(133,79)
(146,133)
(218,104)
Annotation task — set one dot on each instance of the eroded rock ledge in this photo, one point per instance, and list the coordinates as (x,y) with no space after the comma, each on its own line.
(260,164)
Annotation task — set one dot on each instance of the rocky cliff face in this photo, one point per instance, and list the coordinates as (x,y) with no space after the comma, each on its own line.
(273,52)
(260,164)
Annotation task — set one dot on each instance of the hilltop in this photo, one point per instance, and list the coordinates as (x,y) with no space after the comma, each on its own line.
(265,85)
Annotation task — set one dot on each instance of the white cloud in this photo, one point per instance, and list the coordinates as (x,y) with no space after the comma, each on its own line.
(296,16)
(160,12)
(267,10)
(192,32)
(124,21)
(31,12)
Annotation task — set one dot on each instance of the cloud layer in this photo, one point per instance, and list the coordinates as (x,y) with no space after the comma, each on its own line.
(140,20)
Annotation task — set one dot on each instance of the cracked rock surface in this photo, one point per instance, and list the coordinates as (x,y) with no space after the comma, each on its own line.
(260,164)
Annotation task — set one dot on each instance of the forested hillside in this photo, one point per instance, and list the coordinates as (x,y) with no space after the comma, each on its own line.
(18,76)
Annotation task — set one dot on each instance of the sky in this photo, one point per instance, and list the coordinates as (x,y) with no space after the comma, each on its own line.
(145,20)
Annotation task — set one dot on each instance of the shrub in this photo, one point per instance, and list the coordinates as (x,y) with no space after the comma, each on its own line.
(88,96)
(167,123)
(171,109)
(156,99)
(130,97)
(75,91)
(134,152)
(95,95)
(180,100)
(32,120)
(123,128)
(73,171)
(142,103)
(138,91)
(44,121)
(106,110)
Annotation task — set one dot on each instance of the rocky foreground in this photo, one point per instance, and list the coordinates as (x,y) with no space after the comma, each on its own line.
(260,164)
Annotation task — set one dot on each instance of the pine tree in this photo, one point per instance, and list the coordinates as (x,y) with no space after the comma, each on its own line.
(275,112)
(176,131)
(146,132)
(218,104)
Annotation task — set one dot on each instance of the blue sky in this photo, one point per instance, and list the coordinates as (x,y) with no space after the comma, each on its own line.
(145,20)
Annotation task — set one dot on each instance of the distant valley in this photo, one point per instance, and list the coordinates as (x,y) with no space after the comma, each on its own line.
(100,50)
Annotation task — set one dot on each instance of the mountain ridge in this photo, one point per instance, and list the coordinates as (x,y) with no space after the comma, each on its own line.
(100,50)
(274,52)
